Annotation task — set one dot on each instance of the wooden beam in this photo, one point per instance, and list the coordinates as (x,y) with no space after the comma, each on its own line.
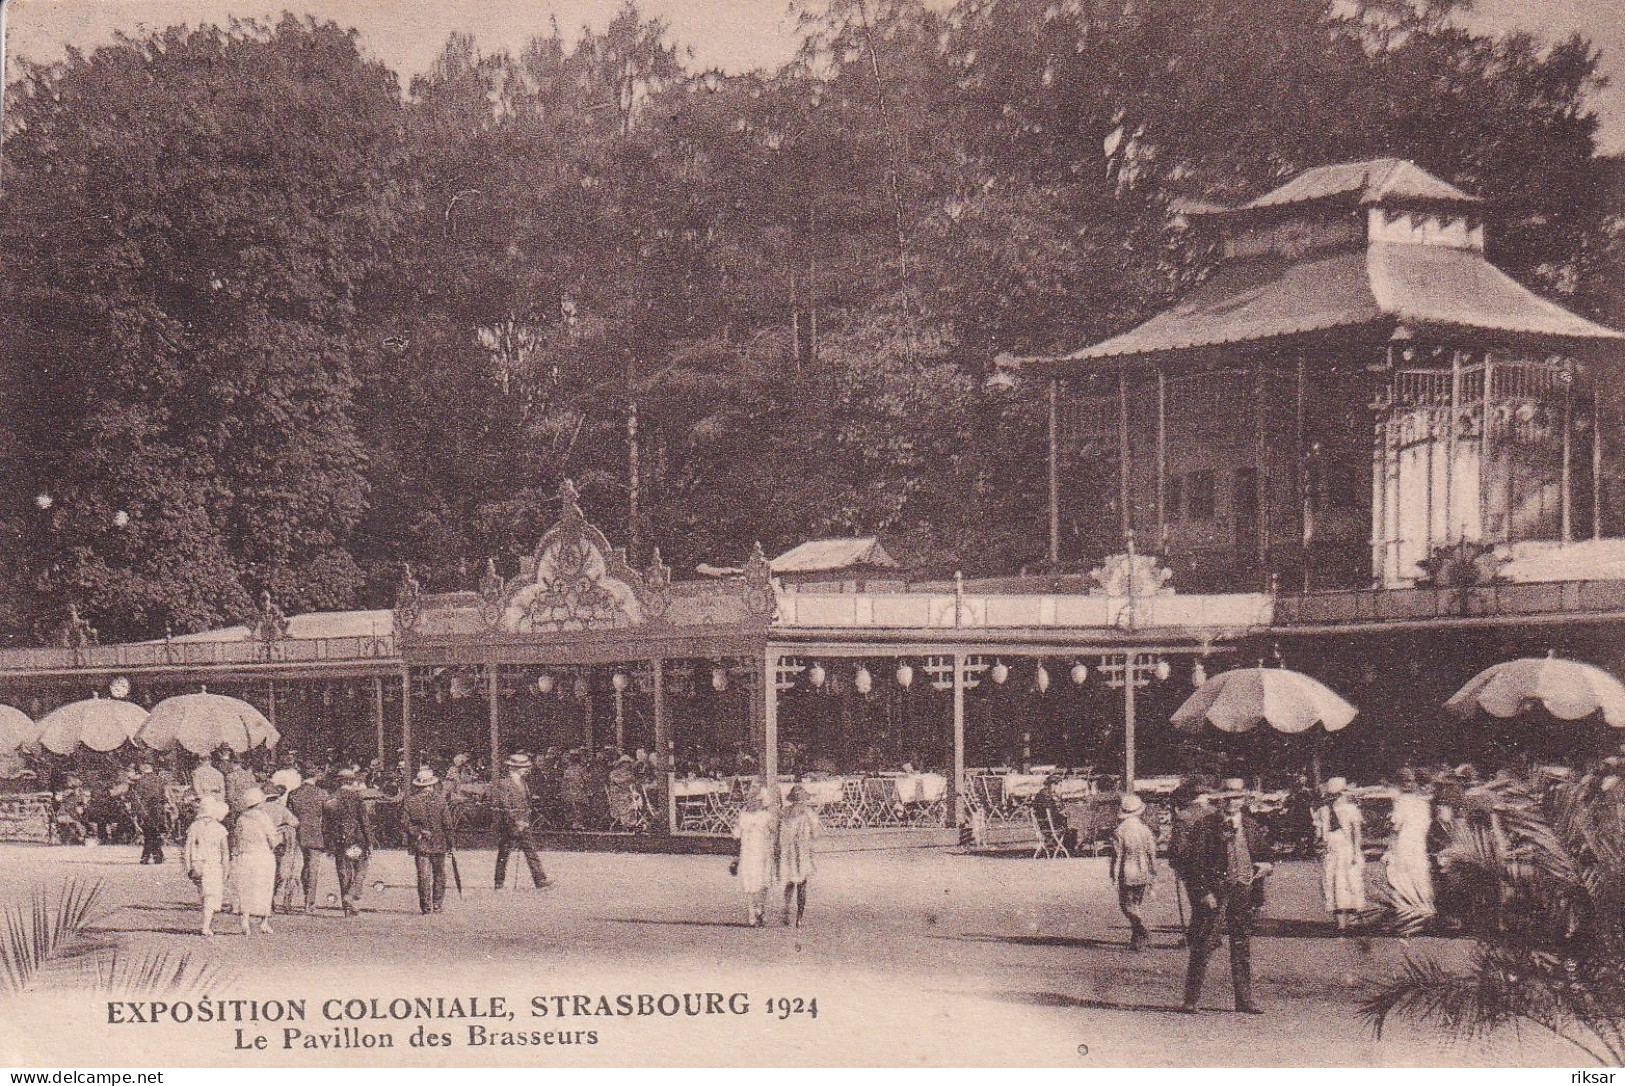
(664,751)
(1123,455)
(955,807)
(770,715)
(406,714)
(378,722)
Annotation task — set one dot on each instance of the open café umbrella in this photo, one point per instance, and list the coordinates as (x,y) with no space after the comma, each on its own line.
(16,731)
(206,722)
(1567,689)
(102,724)
(1240,700)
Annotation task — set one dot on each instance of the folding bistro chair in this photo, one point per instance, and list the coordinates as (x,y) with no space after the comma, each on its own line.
(1051,839)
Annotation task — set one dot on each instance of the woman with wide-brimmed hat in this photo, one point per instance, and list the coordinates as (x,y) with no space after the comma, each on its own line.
(207,857)
(255,838)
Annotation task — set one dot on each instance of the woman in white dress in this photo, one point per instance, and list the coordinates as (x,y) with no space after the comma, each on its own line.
(757,866)
(1342,835)
(798,829)
(1410,876)
(207,857)
(255,840)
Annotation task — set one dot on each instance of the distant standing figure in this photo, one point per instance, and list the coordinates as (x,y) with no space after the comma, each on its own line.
(207,780)
(308,803)
(798,829)
(510,802)
(349,837)
(207,857)
(757,864)
(1134,866)
(239,780)
(1192,813)
(1341,828)
(150,794)
(255,840)
(1410,874)
(426,823)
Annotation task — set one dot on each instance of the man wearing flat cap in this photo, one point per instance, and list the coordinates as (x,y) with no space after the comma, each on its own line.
(510,803)
(1226,872)
(426,823)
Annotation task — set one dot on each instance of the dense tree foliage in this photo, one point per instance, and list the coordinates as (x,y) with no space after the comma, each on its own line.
(270,324)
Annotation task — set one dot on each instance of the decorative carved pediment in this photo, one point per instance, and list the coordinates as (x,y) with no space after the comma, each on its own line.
(579,582)
(408,601)
(1131,575)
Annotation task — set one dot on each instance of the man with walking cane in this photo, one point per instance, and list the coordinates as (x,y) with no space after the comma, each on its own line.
(1226,882)
(510,803)
(426,824)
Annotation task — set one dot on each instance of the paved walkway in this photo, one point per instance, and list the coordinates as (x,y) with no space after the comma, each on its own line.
(915,958)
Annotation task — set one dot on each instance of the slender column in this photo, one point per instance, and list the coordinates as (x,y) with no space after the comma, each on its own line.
(1130,659)
(770,715)
(1568,462)
(1484,425)
(1260,474)
(1450,448)
(491,695)
(378,720)
(663,744)
(620,719)
(1054,470)
(1596,457)
(1300,474)
(1162,458)
(406,714)
(270,701)
(1379,501)
(1126,518)
(956,780)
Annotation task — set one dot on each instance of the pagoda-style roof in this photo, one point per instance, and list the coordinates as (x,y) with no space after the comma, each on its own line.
(1366,245)
(834,555)
(1374,182)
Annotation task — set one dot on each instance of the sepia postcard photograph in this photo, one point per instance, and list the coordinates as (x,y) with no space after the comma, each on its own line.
(812,533)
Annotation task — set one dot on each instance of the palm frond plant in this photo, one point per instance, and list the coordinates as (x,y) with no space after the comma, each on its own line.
(54,938)
(1538,884)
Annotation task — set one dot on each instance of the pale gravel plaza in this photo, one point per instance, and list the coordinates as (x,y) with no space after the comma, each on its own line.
(915,957)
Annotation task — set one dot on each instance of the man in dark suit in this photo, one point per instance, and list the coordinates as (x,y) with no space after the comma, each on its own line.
(510,804)
(1193,812)
(426,825)
(1226,873)
(308,803)
(150,801)
(348,834)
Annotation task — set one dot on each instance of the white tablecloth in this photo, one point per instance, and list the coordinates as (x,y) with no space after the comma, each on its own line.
(1021,785)
(921,788)
(824,793)
(701,787)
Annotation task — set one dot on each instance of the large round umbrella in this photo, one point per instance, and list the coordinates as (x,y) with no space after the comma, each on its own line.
(206,722)
(16,731)
(1567,689)
(1240,700)
(99,723)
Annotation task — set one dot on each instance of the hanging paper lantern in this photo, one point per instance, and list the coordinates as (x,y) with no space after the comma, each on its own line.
(545,683)
(581,689)
(619,681)
(1080,673)
(1198,675)
(905,676)
(863,681)
(1041,680)
(719,679)
(119,687)
(1163,671)
(999,673)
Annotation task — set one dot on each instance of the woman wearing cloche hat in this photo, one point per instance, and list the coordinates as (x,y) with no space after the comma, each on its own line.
(1341,827)
(255,838)
(207,857)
